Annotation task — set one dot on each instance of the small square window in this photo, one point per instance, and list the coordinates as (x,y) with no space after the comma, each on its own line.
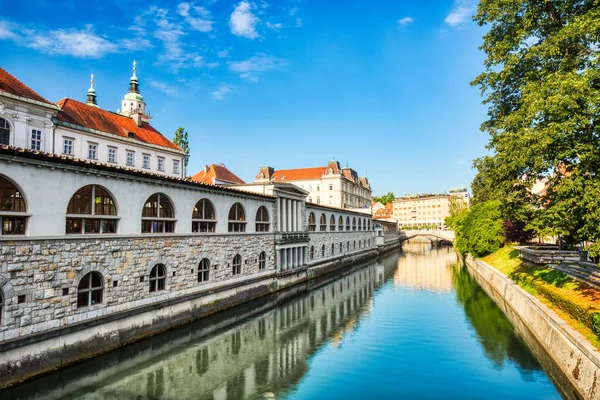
(174,273)
(115,283)
(21,299)
(142,278)
(65,291)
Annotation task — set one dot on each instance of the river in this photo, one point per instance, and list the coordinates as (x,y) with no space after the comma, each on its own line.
(413,325)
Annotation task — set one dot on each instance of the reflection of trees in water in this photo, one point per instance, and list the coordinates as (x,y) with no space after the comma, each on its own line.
(495,332)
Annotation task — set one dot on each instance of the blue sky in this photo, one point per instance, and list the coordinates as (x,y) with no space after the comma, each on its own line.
(381,85)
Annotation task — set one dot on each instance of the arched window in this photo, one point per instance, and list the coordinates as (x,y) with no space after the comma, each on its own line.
(354,223)
(360,224)
(237,218)
(237,265)
(347,223)
(323,251)
(158,278)
(359,244)
(341,247)
(158,215)
(323,223)
(332,249)
(262,260)
(369,221)
(91,210)
(341,223)
(312,223)
(332,223)
(203,270)
(4,132)
(354,246)
(312,252)
(369,242)
(12,209)
(348,246)
(262,219)
(203,217)
(90,290)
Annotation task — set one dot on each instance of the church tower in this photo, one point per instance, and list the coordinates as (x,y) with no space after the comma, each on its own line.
(133,104)
(91,94)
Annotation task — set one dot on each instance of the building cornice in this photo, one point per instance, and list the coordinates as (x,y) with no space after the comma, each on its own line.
(11,96)
(41,159)
(337,209)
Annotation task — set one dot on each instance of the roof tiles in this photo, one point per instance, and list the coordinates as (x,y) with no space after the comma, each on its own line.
(12,85)
(216,172)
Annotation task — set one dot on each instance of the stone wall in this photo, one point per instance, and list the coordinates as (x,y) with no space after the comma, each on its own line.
(578,359)
(351,242)
(40,277)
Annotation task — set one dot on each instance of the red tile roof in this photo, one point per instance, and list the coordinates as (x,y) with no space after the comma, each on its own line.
(216,172)
(77,113)
(12,85)
(384,212)
(298,174)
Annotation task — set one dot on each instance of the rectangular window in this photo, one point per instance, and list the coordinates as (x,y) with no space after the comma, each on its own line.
(68,146)
(130,158)
(36,139)
(146,162)
(112,155)
(161,163)
(176,166)
(330,186)
(92,151)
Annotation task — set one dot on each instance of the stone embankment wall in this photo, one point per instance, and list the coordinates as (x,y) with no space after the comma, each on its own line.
(47,331)
(578,360)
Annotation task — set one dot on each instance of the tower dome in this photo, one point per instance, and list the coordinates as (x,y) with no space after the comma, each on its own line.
(133,104)
(91,94)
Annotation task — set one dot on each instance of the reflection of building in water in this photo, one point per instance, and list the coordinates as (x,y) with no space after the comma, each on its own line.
(266,354)
(425,268)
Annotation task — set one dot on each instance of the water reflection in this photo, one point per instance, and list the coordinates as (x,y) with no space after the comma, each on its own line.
(293,344)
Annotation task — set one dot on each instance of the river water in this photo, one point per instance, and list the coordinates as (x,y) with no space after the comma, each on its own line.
(411,326)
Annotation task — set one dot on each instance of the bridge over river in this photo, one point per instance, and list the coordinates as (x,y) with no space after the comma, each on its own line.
(435,236)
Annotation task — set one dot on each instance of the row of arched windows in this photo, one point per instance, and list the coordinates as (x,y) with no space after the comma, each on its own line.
(92,210)
(364,224)
(361,244)
(90,290)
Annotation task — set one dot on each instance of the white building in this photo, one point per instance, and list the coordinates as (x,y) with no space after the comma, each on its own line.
(83,130)
(330,185)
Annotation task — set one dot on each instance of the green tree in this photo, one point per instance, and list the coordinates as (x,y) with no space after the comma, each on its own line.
(385,199)
(181,140)
(457,208)
(542,85)
(479,230)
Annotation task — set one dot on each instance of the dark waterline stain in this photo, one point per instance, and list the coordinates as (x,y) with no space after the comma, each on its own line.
(413,325)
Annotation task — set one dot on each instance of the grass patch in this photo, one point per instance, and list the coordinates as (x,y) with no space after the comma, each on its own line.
(577,303)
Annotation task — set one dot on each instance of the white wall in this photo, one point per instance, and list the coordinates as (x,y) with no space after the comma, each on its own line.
(48,190)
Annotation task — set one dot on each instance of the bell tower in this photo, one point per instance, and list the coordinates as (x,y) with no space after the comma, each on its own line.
(133,104)
(91,94)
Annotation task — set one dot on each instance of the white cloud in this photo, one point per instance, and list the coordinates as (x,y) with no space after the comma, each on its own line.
(461,10)
(7,30)
(223,53)
(250,68)
(298,23)
(170,90)
(405,21)
(274,27)
(293,11)
(221,92)
(199,18)
(243,22)
(82,43)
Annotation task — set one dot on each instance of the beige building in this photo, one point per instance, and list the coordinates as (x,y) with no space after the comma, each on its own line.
(331,185)
(426,210)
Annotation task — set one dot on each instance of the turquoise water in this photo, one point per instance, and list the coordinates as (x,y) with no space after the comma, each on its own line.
(412,326)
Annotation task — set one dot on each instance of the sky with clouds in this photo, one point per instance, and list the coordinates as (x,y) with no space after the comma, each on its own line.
(382,86)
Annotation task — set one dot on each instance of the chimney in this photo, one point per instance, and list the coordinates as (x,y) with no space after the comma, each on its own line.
(137,117)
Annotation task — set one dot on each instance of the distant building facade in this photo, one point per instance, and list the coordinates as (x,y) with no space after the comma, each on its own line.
(331,185)
(80,130)
(427,210)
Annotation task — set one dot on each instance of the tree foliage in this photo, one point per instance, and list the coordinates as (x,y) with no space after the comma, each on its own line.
(181,140)
(457,208)
(479,230)
(385,199)
(542,86)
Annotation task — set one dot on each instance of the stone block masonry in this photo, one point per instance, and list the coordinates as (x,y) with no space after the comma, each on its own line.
(578,360)
(42,275)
